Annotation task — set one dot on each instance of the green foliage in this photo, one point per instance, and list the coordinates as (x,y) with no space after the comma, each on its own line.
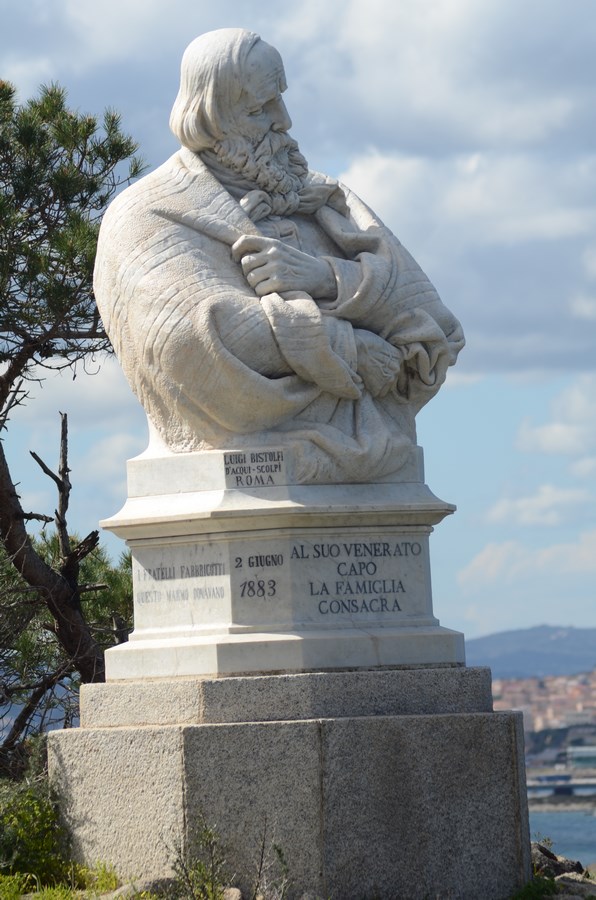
(32,840)
(101,879)
(536,889)
(59,892)
(200,873)
(12,887)
(78,880)
(34,845)
(58,171)
(106,588)
(38,683)
(544,840)
(34,857)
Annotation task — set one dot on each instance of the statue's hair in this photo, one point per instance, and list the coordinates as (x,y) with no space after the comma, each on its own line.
(211,80)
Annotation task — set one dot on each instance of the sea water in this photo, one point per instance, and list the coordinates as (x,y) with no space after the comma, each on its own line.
(573,833)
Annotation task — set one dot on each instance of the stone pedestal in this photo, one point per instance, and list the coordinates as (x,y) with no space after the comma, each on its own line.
(237,570)
(287,676)
(395,783)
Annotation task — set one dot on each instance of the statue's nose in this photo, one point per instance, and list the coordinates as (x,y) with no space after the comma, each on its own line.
(281,119)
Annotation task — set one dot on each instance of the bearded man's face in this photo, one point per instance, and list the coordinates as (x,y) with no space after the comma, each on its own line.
(275,165)
(261,108)
(259,147)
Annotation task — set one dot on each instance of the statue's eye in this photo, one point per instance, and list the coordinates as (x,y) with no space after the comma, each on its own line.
(256,112)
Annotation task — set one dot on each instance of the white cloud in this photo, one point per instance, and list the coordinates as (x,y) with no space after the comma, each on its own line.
(572,430)
(28,74)
(589,261)
(104,462)
(457,379)
(510,561)
(574,559)
(578,402)
(489,198)
(549,506)
(583,306)
(123,27)
(411,63)
(87,34)
(556,437)
(500,236)
(584,467)
(99,393)
(492,563)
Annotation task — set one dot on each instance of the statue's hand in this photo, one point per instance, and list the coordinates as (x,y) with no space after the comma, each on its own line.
(379,362)
(271,266)
(256,205)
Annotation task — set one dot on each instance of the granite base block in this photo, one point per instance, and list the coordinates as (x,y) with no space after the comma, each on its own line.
(266,698)
(357,803)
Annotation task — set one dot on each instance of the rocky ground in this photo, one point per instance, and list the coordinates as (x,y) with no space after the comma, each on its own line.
(571,880)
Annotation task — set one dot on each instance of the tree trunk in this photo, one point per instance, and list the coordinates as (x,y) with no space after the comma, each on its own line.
(59,593)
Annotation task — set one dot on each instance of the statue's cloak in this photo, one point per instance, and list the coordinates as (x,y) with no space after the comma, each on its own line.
(215,366)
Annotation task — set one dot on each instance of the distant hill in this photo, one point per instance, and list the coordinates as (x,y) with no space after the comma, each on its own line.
(543,650)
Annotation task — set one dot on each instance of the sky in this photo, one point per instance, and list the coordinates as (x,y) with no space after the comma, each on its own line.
(470,127)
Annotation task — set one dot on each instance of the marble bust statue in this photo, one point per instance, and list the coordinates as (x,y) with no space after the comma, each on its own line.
(255,303)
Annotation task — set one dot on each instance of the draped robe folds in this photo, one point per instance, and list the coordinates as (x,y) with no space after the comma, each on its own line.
(215,366)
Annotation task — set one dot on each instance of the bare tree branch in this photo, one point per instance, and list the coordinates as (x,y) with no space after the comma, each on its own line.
(64,487)
(59,590)
(46,470)
(38,517)
(87,588)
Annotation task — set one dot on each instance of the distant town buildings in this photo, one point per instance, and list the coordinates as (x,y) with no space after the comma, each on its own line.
(554,701)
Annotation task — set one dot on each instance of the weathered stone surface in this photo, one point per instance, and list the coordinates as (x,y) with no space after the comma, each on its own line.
(573,885)
(453,796)
(122,796)
(157,887)
(232,893)
(389,692)
(357,804)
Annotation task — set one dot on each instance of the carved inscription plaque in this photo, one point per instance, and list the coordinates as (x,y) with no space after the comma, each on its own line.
(181,584)
(285,582)
(334,582)
(255,468)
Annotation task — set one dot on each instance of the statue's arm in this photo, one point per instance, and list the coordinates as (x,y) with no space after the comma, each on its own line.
(390,297)
(271,266)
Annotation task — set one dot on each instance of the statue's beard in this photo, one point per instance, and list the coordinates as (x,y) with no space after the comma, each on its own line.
(275,166)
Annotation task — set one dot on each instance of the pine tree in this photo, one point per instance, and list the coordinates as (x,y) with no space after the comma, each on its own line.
(58,171)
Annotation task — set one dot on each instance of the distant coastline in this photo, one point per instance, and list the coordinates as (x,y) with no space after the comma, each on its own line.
(545,650)
(581,803)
